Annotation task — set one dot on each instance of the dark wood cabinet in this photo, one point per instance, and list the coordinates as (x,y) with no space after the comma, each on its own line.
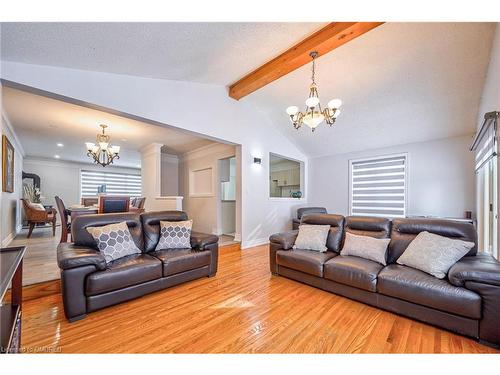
(11,274)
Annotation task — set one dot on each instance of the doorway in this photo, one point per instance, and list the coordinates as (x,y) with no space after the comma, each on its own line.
(227,199)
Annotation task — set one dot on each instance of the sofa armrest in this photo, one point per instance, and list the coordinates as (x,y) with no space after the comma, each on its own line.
(285,239)
(201,241)
(280,241)
(482,268)
(71,256)
(481,274)
(207,242)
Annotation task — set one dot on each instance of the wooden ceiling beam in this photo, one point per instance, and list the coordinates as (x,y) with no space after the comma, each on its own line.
(323,41)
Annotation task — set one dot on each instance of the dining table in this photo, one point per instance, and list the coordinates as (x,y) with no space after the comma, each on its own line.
(74,212)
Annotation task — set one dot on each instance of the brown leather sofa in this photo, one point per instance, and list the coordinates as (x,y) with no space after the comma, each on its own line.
(466,302)
(306,211)
(89,284)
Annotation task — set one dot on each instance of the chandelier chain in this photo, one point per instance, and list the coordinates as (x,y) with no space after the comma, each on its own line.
(313,70)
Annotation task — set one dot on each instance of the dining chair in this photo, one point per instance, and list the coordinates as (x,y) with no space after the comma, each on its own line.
(87,202)
(109,204)
(37,214)
(65,223)
(137,204)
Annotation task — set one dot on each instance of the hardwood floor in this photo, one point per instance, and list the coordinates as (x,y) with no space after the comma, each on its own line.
(40,263)
(243,309)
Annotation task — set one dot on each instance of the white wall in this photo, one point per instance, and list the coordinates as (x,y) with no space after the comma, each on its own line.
(206,109)
(62,178)
(10,204)
(203,209)
(490,98)
(169,175)
(151,175)
(440,178)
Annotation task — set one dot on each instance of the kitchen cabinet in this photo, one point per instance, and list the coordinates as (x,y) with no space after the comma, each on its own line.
(289,177)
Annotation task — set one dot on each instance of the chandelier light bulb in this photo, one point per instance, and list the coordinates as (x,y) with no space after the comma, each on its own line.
(90,146)
(313,119)
(103,145)
(334,103)
(114,149)
(292,110)
(312,101)
(336,114)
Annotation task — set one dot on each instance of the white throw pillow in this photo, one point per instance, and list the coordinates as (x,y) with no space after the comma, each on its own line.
(175,235)
(312,237)
(434,254)
(366,247)
(37,206)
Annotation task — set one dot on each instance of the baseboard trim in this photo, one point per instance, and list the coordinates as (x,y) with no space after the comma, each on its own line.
(7,240)
(255,242)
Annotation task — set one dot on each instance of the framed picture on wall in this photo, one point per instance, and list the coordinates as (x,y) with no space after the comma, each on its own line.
(7,165)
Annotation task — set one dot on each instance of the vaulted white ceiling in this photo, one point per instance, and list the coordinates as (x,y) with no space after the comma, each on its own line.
(400,83)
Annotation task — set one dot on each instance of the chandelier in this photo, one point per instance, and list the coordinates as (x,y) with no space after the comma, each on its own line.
(101,151)
(313,114)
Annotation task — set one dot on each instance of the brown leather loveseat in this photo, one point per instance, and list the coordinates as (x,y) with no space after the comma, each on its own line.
(89,284)
(466,302)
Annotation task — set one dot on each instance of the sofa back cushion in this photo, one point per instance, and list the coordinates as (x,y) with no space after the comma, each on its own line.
(405,230)
(151,225)
(377,227)
(81,237)
(309,211)
(336,222)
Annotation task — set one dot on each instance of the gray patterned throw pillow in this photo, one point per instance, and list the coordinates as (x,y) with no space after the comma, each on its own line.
(175,235)
(312,237)
(434,254)
(366,247)
(114,241)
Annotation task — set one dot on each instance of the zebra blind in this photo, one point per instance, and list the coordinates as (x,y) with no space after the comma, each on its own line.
(485,142)
(378,187)
(125,184)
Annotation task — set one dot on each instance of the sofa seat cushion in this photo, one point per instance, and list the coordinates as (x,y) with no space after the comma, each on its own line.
(306,261)
(421,288)
(121,273)
(353,271)
(181,260)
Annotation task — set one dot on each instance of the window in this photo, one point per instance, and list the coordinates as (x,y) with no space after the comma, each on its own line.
(485,148)
(126,184)
(285,177)
(378,186)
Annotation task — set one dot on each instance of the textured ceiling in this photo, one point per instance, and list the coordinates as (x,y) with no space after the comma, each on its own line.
(49,122)
(400,83)
(214,53)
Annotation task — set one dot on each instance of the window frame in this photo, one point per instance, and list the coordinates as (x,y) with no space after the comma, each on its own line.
(302,176)
(406,157)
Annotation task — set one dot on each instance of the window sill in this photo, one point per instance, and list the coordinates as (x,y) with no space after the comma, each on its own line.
(287,199)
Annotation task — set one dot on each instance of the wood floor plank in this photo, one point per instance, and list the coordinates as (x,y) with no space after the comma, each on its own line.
(243,309)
